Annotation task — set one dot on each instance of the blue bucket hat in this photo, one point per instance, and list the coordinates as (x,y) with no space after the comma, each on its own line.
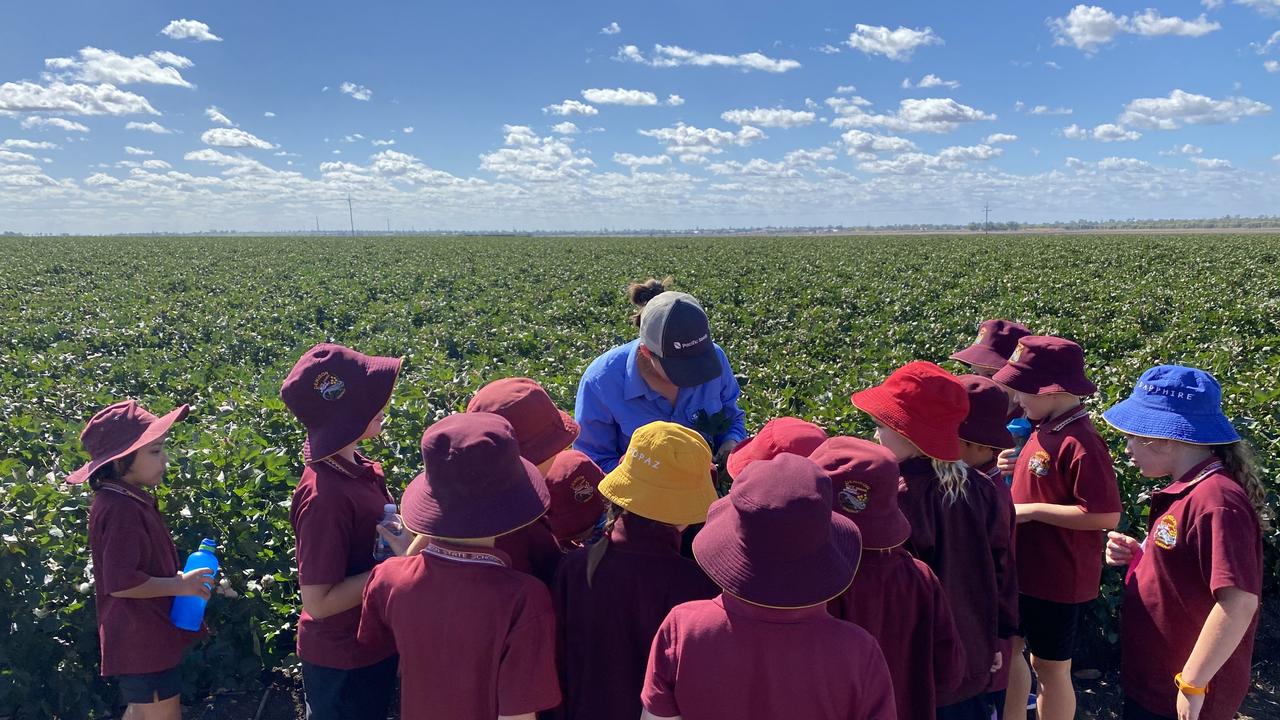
(1174,402)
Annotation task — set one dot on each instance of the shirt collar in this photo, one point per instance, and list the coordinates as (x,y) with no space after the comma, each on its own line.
(737,606)
(466,554)
(363,467)
(1192,477)
(638,534)
(130,490)
(1061,420)
(989,469)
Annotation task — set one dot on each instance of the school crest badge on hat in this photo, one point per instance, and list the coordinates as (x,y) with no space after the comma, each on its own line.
(982,334)
(1165,532)
(853,497)
(1039,463)
(329,386)
(1017,353)
(582,488)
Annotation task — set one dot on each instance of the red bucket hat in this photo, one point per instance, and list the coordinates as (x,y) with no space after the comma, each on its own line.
(1043,364)
(996,342)
(864,478)
(576,503)
(988,416)
(120,429)
(334,392)
(779,435)
(475,484)
(922,402)
(541,428)
(773,540)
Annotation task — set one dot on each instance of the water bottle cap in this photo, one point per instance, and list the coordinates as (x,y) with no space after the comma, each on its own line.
(208,542)
(389,507)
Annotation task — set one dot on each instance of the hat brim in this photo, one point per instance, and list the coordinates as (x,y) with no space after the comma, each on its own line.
(980,356)
(327,440)
(1131,417)
(881,532)
(685,506)
(743,455)
(154,431)
(524,500)
(875,402)
(763,578)
(553,442)
(997,437)
(692,370)
(1011,376)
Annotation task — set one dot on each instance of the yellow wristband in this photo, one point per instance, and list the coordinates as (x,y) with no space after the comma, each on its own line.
(1188,689)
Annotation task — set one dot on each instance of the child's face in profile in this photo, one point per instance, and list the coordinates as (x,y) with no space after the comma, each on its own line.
(895,443)
(149,465)
(1038,407)
(374,429)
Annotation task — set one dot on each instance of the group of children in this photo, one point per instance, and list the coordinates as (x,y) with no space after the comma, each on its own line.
(838,578)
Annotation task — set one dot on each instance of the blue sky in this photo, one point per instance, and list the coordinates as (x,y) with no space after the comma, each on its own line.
(132,116)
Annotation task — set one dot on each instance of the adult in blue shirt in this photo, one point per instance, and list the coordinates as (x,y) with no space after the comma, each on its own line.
(672,372)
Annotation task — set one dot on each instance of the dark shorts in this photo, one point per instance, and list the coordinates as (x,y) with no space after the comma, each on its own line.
(150,687)
(1050,627)
(1134,711)
(360,694)
(975,708)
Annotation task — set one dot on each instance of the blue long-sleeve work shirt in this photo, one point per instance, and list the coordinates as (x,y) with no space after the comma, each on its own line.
(614,400)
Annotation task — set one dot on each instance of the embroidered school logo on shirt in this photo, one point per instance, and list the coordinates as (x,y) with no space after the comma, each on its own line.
(1166,532)
(853,498)
(582,490)
(1017,353)
(1039,463)
(330,386)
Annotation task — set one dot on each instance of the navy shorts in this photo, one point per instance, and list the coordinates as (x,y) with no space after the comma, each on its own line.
(1050,627)
(359,694)
(150,687)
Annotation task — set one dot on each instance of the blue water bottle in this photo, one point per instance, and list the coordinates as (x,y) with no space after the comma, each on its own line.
(188,610)
(1020,428)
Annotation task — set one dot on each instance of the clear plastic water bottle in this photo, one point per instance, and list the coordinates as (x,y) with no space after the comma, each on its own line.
(187,611)
(1020,428)
(391,521)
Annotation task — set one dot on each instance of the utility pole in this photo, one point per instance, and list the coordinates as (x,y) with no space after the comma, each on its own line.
(986,218)
(388,226)
(317,224)
(351,215)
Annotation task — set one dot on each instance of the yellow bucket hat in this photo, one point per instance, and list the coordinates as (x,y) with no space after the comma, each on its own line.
(665,475)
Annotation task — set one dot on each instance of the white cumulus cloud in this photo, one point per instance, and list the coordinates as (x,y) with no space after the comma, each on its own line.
(859,142)
(151,127)
(1110,132)
(234,138)
(526,156)
(565,128)
(131,150)
(611,29)
(899,44)
(107,66)
(189,30)
(675,100)
(666,56)
(1184,108)
(933,115)
(1088,27)
(690,143)
(571,107)
(359,92)
(636,161)
(619,96)
(41,123)
(213,113)
(930,81)
(72,98)
(1000,138)
(769,117)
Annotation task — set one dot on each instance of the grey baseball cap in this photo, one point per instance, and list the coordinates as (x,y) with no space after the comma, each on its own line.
(674,328)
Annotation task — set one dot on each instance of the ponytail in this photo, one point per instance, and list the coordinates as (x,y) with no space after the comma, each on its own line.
(114,470)
(640,293)
(596,552)
(953,478)
(1241,464)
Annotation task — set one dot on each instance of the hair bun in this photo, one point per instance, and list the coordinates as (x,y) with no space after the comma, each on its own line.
(640,293)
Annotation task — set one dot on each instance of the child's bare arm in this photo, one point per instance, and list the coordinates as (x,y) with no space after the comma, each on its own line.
(321,601)
(197,582)
(1071,517)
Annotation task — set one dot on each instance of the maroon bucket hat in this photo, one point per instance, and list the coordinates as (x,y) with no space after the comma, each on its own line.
(1043,364)
(774,541)
(475,484)
(118,430)
(541,428)
(576,503)
(334,392)
(987,422)
(864,478)
(779,435)
(996,342)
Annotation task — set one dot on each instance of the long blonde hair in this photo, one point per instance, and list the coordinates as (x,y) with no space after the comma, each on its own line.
(1242,465)
(953,478)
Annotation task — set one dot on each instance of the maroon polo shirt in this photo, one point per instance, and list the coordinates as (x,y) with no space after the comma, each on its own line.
(533,549)
(605,630)
(1065,462)
(476,638)
(1203,536)
(130,544)
(336,509)
(1009,591)
(967,545)
(899,600)
(726,659)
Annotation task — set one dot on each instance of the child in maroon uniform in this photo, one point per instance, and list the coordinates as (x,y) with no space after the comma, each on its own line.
(956,524)
(135,563)
(766,648)
(997,339)
(894,596)
(1191,595)
(982,434)
(1065,495)
(339,394)
(611,597)
(577,507)
(476,638)
(544,431)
